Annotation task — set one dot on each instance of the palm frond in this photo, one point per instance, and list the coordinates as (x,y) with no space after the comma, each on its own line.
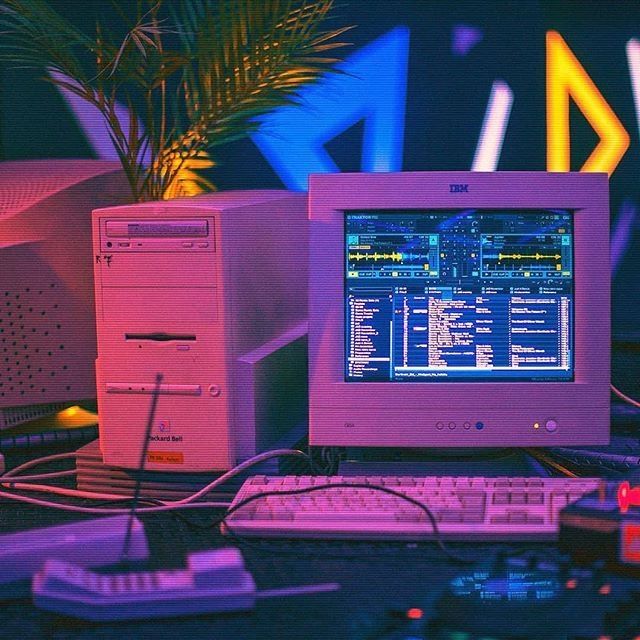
(250,58)
(184,181)
(41,38)
(234,61)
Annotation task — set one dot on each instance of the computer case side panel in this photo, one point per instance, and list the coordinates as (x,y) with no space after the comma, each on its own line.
(265,249)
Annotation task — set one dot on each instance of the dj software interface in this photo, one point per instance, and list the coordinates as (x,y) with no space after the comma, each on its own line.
(467,295)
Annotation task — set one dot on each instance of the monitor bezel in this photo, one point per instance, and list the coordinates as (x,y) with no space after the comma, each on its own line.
(347,413)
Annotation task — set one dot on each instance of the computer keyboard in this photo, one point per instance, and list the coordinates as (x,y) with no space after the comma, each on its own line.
(465,508)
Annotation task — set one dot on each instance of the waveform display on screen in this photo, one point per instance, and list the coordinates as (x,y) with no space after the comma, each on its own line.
(409,257)
(372,255)
(524,256)
(545,255)
(394,257)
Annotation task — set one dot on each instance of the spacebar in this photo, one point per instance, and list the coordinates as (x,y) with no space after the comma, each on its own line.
(344,516)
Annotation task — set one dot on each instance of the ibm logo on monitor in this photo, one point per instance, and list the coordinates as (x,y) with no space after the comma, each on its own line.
(458,188)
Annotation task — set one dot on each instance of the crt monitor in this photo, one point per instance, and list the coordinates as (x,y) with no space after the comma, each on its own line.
(458,309)
(47,314)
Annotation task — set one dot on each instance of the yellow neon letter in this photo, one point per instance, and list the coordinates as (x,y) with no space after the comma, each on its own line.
(567,77)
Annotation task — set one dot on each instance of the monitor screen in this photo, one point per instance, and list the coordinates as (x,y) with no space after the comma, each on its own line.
(459,295)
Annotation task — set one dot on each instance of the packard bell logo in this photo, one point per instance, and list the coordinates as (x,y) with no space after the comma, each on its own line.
(458,188)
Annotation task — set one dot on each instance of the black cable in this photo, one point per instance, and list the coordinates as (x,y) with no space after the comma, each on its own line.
(547,460)
(152,502)
(143,458)
(350,485)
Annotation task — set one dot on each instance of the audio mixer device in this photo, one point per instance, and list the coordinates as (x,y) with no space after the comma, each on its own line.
(531,596)
(211,291)
(459,309)
(516,595)
(47,311)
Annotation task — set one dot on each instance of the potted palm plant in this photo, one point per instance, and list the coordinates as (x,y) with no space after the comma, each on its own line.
(193,74)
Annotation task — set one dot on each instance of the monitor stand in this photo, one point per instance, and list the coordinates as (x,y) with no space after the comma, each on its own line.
(440,462)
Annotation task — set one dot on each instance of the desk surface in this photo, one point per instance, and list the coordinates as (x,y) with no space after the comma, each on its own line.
(374,578)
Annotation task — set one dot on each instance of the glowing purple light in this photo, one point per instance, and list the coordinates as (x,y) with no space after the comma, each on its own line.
(621,233)
(464,37)
(92,122)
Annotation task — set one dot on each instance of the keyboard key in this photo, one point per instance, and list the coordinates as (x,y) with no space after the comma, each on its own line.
(472,500)
(471,516)
(410,516)
(282,514)
(517,518)
(450,516)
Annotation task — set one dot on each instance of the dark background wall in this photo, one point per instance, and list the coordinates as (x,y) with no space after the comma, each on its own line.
(447,94)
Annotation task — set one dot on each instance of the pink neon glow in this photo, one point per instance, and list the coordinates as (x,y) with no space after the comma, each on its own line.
(633,58)
(621,233)
(494,127)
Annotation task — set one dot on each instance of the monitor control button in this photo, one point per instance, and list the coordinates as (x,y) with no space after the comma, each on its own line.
(551,425)
(214,390)
(439,426)
(452,425)
(467,425)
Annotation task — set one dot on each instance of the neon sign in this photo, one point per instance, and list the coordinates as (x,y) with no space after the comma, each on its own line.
(372,88)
